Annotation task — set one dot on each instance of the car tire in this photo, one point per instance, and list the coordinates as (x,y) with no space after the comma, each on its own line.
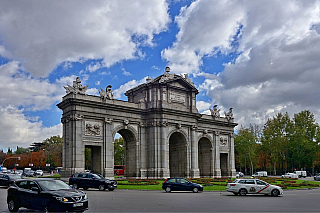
(12,205)
(85,188)
(49,209)
(75,186)
(111,189)
(275,193)
(168,189)
(101,187)
(242,192)
(195,190)
(299,176)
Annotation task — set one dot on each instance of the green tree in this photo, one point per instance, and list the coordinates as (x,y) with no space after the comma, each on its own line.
(119,151)
(245,144)
(305,140)
(21,150)
(275,140)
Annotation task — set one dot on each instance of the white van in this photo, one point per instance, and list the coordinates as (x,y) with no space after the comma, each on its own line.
(260,174)
(301,173)
(4,169)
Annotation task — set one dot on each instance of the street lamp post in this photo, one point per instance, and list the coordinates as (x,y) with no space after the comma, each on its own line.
(122,156)
(7,159)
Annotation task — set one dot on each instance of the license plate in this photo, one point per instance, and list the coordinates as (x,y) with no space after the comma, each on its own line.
(77,204)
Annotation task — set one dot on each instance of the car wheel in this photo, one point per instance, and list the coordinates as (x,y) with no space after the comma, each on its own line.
(75,186)
(275,193)
(242,192)
(85,188)
(101,187)
(195,190)
(168,189)
(111,189)
(49,209)
(12,206)
(299,176)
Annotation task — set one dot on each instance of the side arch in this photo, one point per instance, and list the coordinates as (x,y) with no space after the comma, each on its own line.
(205,156)
(131,146)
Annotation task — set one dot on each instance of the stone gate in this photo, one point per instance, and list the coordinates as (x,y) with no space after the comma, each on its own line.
(164,134)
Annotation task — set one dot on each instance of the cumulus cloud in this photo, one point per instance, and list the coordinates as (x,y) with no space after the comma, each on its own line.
(129,85)
(276,47)
(44,34)
(18,130)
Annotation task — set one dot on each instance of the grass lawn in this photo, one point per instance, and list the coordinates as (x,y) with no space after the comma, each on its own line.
(213,184)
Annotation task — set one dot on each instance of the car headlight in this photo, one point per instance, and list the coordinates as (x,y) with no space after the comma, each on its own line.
(62,199)
(85,197)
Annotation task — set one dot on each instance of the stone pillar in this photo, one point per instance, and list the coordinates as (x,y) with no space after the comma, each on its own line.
(164,171)
(232,158)
(109,150)
(195,172)
(143,151)
(217,170)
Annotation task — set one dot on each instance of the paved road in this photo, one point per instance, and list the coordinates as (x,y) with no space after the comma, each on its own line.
(159,201)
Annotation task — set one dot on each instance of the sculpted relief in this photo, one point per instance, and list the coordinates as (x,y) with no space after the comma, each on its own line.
(93,128)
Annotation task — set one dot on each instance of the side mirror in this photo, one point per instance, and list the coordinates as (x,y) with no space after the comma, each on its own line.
(34,189)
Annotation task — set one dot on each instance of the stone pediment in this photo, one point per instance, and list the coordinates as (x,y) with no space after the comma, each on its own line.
(172,80)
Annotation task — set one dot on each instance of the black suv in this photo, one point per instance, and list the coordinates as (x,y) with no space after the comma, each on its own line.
(45,194)
(90,180)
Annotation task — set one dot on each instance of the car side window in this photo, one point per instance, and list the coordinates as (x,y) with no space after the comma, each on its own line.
(76,175)
(259,182)
(22,184)
(171,181)
(33,184)
(242,181)
(183,181)
(250,182)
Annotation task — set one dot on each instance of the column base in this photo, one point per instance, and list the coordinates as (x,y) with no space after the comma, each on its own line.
(195,173)
(217,173)
(109,173)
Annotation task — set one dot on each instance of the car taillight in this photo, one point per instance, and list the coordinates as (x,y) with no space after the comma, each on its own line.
(165,181)
(232,184)
(70,177)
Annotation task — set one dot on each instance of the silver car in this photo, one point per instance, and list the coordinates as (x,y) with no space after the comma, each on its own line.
(316,177)
(253,186)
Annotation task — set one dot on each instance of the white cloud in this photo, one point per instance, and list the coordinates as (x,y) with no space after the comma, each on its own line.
(44,34)
(18,130)
(277,44)
(202,105)
(125,87)
(124,72)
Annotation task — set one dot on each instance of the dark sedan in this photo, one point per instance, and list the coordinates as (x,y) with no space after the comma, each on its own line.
(90,180)
(49,195)
(8,179)
(180,184)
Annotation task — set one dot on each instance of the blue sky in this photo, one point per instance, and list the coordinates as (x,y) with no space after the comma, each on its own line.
(258,57)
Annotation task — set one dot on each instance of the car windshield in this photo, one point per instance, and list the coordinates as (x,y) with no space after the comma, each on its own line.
(97,176)
(52,185)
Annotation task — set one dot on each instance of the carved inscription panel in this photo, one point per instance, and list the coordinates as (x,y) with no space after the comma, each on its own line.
(177,97)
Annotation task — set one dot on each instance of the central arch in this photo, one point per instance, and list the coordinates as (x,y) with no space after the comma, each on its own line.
(178,155)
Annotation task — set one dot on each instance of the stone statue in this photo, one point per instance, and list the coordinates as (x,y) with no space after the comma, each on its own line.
(215,112)
(77,87)
(229,115)
(108,94)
